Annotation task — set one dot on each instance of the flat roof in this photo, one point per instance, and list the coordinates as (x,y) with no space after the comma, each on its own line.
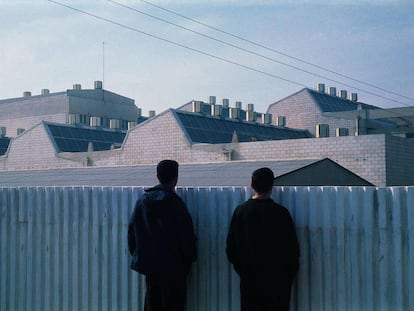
(234,173)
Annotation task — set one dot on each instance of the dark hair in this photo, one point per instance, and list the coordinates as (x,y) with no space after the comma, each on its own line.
(262,180)
(167,170)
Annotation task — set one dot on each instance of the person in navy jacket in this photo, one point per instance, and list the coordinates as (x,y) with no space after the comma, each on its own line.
(162,242)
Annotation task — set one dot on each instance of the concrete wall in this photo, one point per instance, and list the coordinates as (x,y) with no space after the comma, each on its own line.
(363,155)
(66,248)
(26,112)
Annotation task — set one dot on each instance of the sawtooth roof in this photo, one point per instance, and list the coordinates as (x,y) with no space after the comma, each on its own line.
(214,130)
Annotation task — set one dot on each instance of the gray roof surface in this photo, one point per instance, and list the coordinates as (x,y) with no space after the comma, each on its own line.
(237,173)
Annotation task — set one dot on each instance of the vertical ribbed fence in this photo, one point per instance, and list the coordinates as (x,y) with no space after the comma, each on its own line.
(65,248)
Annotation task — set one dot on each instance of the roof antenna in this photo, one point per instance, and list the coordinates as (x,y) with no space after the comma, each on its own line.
(103,64)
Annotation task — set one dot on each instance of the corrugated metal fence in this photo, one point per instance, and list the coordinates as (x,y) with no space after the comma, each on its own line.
(65,248)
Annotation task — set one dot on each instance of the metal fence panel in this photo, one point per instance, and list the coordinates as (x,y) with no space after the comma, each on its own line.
(65,248)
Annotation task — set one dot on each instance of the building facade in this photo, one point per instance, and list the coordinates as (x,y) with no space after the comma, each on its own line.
(93,107)
(204,137)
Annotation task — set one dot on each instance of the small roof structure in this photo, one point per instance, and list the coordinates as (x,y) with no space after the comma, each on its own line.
(324,172)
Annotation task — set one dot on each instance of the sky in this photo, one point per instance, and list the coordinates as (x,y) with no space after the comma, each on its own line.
(255,52)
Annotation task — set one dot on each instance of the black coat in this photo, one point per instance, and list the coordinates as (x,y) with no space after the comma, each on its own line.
(161,236)
(262,244)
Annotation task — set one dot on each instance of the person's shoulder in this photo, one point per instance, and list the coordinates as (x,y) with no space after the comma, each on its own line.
(281,209)
(242,207)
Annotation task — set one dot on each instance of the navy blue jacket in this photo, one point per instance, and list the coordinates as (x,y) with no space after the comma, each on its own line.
(161,236)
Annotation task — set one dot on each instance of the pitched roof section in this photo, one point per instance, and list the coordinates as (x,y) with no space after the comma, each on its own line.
(328,103)
(211,130)
(4,144)
(71,138)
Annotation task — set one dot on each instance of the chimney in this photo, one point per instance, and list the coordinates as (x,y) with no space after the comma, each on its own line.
(250,107)
(197,106)
(45,92)
(250,116)
(151,113)
(353,97)
(216,110)
(332,91)
(27,94)
(343,94)
(77,87)
(225,103)
(234,113)
(320,87)
(238,105)
(212,100)
(98,85)
(266,118)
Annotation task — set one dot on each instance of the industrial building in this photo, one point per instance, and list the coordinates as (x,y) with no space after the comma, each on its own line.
(377,150)
(92,107)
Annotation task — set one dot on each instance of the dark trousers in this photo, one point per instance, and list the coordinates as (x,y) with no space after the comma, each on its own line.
(165,295)
(264,296)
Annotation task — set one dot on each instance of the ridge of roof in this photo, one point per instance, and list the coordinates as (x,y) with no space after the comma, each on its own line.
(326,102)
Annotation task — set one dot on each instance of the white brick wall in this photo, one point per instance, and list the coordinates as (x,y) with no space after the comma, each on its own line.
(302,113)
(380,159)
(34,150)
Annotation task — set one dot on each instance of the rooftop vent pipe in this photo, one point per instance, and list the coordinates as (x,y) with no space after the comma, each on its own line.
(225,103)
(216,110)
(234,113)
(266,118)
(353,97)
(250,116)
(98,85)
(320,87)
(196,106)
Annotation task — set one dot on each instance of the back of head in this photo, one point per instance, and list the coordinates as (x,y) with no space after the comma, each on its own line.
(262,180)
(167,171)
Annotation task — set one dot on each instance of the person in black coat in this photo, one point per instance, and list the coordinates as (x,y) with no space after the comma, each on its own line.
(162,242)
(263,247)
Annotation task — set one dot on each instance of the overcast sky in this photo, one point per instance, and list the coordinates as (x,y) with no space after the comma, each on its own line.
(161,66)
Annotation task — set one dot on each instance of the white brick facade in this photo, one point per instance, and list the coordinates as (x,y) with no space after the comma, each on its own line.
(382,160)
(302,112)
